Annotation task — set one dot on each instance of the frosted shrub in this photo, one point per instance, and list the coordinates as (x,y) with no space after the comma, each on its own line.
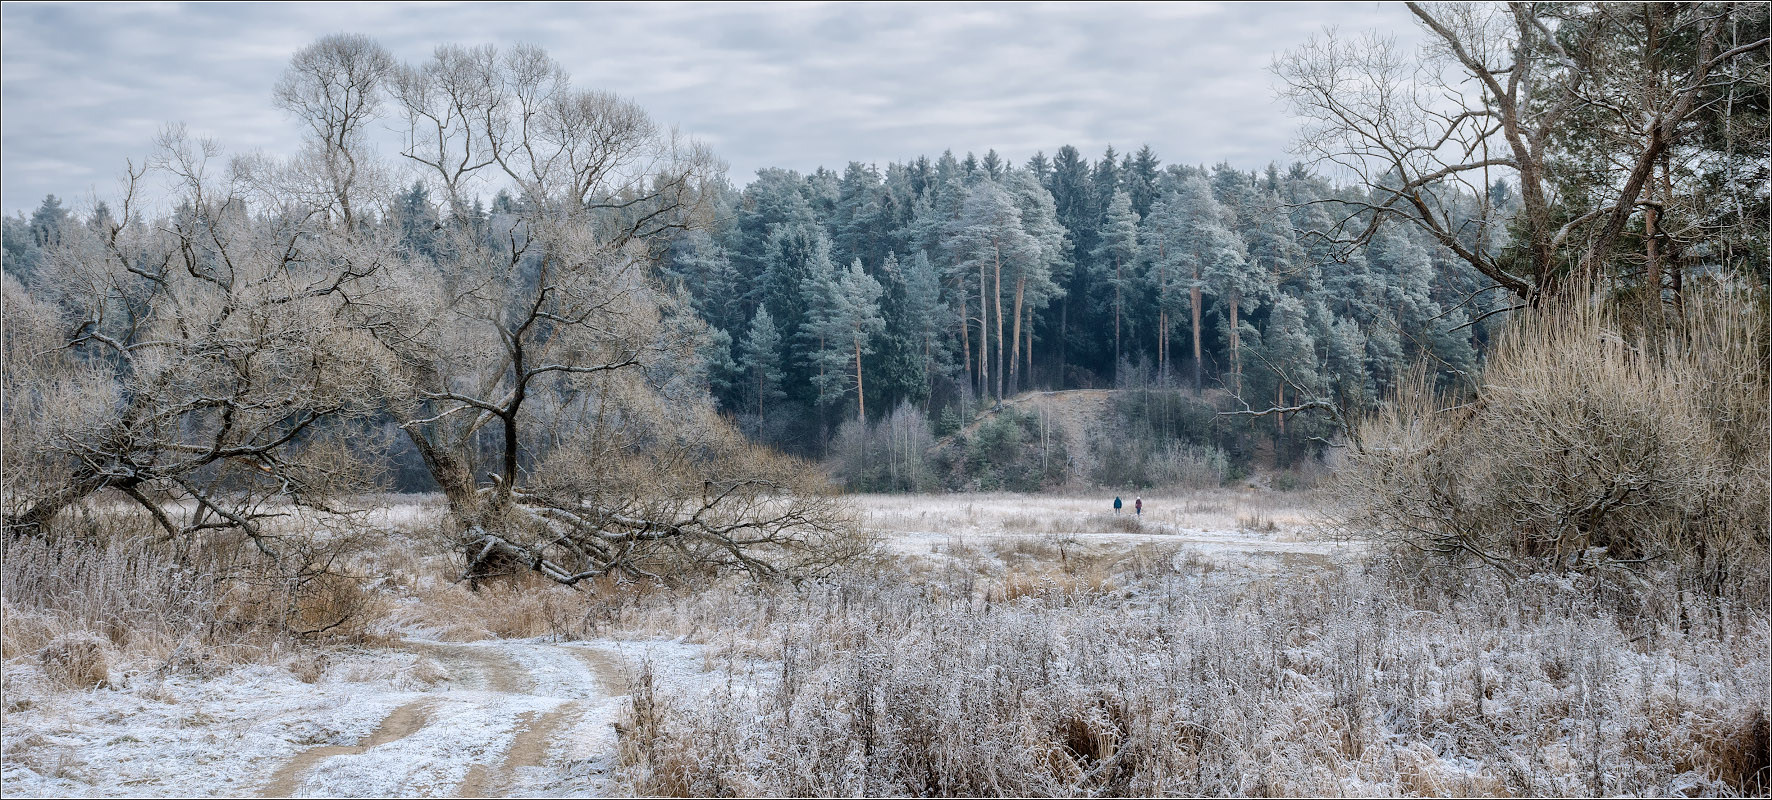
(1586,445)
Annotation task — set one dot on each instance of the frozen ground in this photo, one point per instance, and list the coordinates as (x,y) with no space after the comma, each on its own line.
(1227,526)
(531,717)
(422,718)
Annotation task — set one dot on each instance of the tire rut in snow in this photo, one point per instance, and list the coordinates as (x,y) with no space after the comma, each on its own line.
(531,699)
(486,668)
(399,724)
(528,749)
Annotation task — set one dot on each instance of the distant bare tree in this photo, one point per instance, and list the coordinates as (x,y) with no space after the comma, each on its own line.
(334,87)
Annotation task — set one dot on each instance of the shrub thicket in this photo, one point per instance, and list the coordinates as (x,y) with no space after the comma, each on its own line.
(1586,445)
(1011,451)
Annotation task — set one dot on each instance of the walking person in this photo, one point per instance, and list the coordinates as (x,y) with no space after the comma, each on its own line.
(1138,506)
(1116,504)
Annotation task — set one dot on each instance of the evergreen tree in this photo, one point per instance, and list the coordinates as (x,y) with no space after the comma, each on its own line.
(19,247)
(921,316)
(986,238)
(1073,197)
(842,328)
(1217,260)
(799,255)
(415,221)
(1290,354)
(48,223)
(1166,277)
(1041,168)
(1116,252)
(760,359)
(993,165)
(1141,180)
(1040,278)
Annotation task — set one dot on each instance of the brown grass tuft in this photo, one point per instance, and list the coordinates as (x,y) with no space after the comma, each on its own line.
(79,661)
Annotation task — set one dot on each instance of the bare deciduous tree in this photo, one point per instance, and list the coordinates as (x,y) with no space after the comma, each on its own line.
(189,363)
(334,87)
(545,329)
(1494,92)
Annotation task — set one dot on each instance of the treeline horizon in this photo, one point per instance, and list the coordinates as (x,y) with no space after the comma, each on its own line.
(950,283)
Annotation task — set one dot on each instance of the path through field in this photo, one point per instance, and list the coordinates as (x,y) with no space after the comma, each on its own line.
(481,719)
(515,714)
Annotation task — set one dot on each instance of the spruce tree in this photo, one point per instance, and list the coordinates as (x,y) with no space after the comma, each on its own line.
(1116,252)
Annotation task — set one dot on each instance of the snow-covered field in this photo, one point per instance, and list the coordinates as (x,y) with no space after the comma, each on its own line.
(1228,525)
(1255,654)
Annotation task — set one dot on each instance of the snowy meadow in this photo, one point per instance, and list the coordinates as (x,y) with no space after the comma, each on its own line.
(1221,643)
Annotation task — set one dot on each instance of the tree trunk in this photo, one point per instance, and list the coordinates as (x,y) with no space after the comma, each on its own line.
(1280,402)
(32,520)
(1162,345)
(997,296)
(1064,335)
(1162,315)
(452,474)
(1651,208)
(1236,355)
(1667,193)
(984,333)
(928,376)
(965,333)
(1194,295)
(1015,354)
(861,403)
(1116,318)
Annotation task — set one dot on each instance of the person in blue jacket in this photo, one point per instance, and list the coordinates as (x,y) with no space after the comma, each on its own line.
(1116,504)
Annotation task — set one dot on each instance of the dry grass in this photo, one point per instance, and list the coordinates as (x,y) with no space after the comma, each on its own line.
(1169,679)
(78,661)
(1291,514)
(1036,662)
(102,596)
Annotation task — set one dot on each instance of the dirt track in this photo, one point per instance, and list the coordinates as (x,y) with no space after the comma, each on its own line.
(504,721)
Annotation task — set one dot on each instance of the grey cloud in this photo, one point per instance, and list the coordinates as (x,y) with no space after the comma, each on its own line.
(800,86)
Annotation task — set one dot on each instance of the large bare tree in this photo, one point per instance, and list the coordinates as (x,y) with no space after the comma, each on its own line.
(192,362)
(1493,95)
(544,329)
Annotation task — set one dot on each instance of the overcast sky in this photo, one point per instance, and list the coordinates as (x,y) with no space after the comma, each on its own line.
(84,87)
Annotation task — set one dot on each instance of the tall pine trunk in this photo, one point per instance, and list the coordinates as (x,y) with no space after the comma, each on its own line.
(1116,318)
(1015,337)
(965,333)
(1236,355)
(1652,209)
(861,403)
(984,333)
(997,295)
(1194,295)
